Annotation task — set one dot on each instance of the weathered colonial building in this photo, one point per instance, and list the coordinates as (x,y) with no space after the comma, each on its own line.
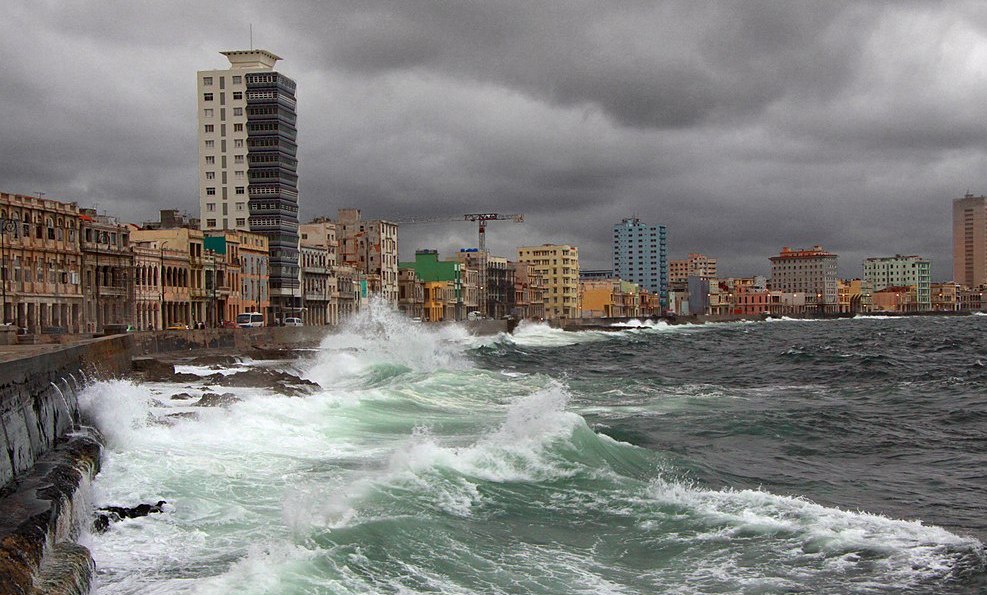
(41,265)
(108,263)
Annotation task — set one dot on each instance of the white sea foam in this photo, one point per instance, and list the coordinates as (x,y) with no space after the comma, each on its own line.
(518,450)
(378,335)
(540,334)
(907,551)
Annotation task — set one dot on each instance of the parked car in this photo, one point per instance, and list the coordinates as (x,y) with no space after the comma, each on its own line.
(293,322)
(177,327)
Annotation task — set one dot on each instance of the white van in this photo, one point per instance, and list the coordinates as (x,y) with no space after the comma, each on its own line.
(293,322)
(249,320)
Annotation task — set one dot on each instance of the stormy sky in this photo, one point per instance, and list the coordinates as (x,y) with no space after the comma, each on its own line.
(741,126)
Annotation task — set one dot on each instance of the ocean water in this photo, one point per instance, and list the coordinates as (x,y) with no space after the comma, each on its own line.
(774,457)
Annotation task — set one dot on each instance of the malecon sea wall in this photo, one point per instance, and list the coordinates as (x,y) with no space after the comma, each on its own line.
(45,466)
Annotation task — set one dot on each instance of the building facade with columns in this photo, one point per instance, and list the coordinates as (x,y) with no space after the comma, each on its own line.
(41,265)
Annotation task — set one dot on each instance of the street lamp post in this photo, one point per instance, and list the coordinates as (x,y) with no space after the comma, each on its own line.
(6,226)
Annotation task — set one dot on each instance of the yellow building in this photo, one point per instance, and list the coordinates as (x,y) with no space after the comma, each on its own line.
(558,266)
(601,298)
(184,299)
(435,300)
(849,292)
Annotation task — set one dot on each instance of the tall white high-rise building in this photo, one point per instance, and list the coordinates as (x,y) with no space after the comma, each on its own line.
(248,162)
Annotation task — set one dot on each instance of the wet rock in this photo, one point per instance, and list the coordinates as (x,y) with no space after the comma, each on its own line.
(265,352)
(153,369)
(182,397)
(186,377)
(266,378)
(217,400)
(112,514)
(215,360)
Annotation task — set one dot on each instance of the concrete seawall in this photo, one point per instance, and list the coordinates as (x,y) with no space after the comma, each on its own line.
(45,466)
(35,411)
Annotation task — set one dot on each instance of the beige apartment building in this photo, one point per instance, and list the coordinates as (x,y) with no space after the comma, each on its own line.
(970,241)
(696,265)
(558,266)
(320,288)
(182,264)
(254,290)
(108,264)
(371,247)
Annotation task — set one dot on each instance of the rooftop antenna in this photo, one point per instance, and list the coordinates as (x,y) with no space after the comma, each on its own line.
(251,36)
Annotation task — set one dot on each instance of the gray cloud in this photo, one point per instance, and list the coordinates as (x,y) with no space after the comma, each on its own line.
(743,127)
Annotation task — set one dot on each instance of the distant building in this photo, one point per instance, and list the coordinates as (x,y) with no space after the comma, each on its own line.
(182,264)
(248,162)
(411,293)
(558,266)
(223,275)
(371,247)
(970,241)
(254,271)
(442,286)
(811,272)
(696,265)
(320,288)
(899,271)
(108,263)
(946,296)
(640,255)
(849,291)
(611,298)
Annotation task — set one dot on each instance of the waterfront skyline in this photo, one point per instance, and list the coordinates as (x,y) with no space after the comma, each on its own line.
(740,128)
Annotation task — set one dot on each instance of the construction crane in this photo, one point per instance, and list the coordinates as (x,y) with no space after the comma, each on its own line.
(480,218)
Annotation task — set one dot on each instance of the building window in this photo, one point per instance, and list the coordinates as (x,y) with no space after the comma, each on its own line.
(238,111)
(238,159)
(208,112)
(238,127)
(238,174)
(240,222)
(238,143)
(207,81)
(207,96)
(210,144)
(210,128)
(210,175)
(211,191)
(237,95)
(210,206)
(210,159)
(239,190)
(210,223)
(239,206)
(237,80)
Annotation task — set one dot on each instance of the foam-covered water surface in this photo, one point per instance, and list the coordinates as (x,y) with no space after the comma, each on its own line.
(746,457)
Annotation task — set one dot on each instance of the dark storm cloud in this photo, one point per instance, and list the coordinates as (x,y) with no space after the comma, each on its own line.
(742,126)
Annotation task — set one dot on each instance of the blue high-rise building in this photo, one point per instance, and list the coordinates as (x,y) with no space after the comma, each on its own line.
(640,255)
